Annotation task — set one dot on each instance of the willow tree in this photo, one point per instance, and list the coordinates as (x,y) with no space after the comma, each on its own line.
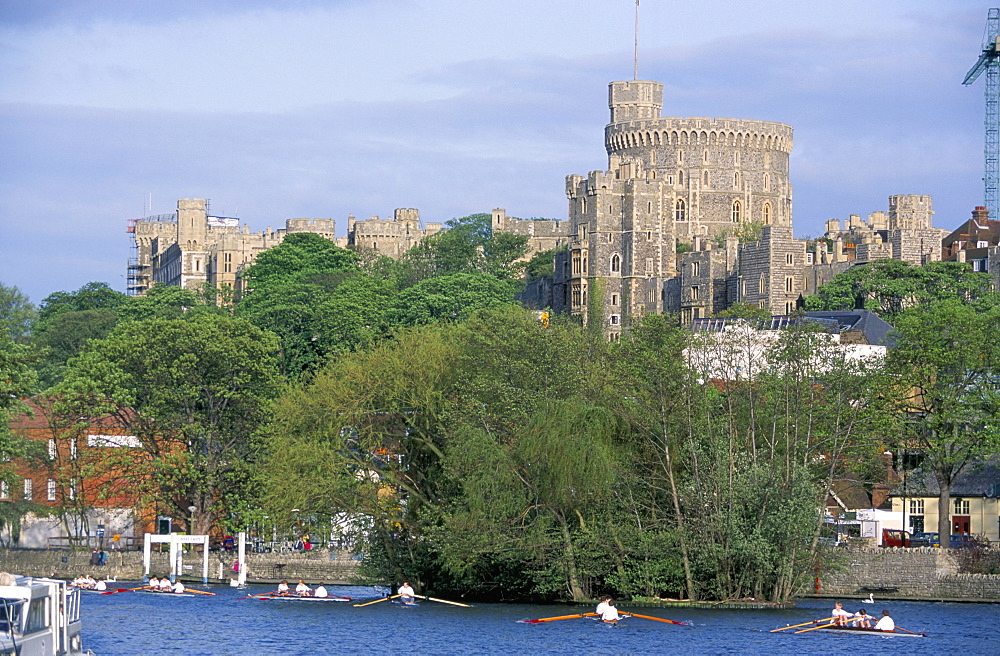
(364,437)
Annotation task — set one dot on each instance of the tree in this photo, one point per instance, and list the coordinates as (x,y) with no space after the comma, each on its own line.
(469,245)
(451,297)
(947,363)
(16,313)
(193,391)
(887,287)
(298,255)
(65,335)
(17,382)
(96,296)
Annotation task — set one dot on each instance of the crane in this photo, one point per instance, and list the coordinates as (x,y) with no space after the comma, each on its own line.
(989,61)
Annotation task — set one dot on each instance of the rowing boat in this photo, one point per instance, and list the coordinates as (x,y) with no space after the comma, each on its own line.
(166,593)
(295,597)
(854,630)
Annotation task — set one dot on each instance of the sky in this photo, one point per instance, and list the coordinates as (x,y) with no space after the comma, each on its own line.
(279,109)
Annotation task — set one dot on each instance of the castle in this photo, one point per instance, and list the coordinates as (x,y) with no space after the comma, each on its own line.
(691,216)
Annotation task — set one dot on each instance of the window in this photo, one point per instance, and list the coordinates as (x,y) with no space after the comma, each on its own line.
(961,506)
(680,177)
(680,156)
(616,263)
(649,235)
(704,179)
(27,489)
(72,449)
(789,284)
(736,180)
(52,448)
(650,295)
(585,265)
(736,158)
(4,490)
(614,299)
(649,266)
(916,506)
(737,211)
(744,288)
(789,258)
(762,284)
(766,214)
(810,257)
(704,156)
(615,319)
(694,292)
(789,307)
(228,259)
(695,269)
(680,210)
(50,490)
(982,244)
(767,182)
(614,337)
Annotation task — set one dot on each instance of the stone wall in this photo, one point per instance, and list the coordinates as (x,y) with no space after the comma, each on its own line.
(315,566)
(888,573)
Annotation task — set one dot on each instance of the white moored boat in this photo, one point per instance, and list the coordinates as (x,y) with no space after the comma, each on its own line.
(39,617)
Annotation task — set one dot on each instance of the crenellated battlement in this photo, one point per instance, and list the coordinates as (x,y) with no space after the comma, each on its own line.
(679,132)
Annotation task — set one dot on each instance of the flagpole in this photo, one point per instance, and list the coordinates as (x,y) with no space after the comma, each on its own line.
(635,69)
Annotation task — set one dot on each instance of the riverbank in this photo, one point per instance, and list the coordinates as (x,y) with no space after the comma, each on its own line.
(320,565)
(922,574)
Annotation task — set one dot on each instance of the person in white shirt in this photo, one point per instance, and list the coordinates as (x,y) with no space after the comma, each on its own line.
(154,583)
(405,593)
(101,585)
(178,588)
(302,589)
(320,591)
(885,623)
(601,607)
(283,587)
(840,616)
(165,585)
(610,614)
(862,620)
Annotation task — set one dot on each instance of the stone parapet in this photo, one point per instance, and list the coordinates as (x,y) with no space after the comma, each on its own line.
(887,573)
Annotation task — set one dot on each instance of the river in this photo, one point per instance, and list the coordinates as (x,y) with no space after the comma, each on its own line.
(129,623)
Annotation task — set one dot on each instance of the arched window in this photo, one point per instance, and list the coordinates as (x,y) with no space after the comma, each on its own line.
(704,156)
(704,179)
(736,158)
(680,177)
(680,210)
(767,182)
(616,263)
(766,213)
(737,211)
(680,156)
(736,180)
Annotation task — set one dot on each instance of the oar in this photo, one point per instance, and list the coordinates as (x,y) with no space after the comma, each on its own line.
(822,626)
(369,603)
(658,619)
(795,626)
(899,628)
(561,617)
(443,601)
(262,594)
(198,591)
(126,589)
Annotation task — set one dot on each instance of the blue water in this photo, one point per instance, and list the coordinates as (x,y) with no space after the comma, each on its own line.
(129,623)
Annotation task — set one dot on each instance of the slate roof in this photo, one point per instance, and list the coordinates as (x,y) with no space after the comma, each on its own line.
(876,331)
(978,480)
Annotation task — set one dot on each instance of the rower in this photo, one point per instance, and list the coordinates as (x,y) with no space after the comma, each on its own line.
(405,593)
(302,589)
(154,583)
(840,616)
(862,620)
(178,588)
(100,585)
(165,585)
(885,623)
(283,587)
(320,592)
(601,607)
(610,614)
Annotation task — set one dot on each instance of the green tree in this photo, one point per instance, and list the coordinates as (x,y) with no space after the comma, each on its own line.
(96,296)
(193,391)
(469,245)
(947,364)
(451,297)
(17,382)
(888,287)
(298,255)
(16,313)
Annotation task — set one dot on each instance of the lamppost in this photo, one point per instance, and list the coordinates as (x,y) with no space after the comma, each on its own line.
(191,511)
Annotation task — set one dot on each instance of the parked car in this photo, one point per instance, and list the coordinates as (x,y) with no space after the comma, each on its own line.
(925,540)
(961,541)
(894,537)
